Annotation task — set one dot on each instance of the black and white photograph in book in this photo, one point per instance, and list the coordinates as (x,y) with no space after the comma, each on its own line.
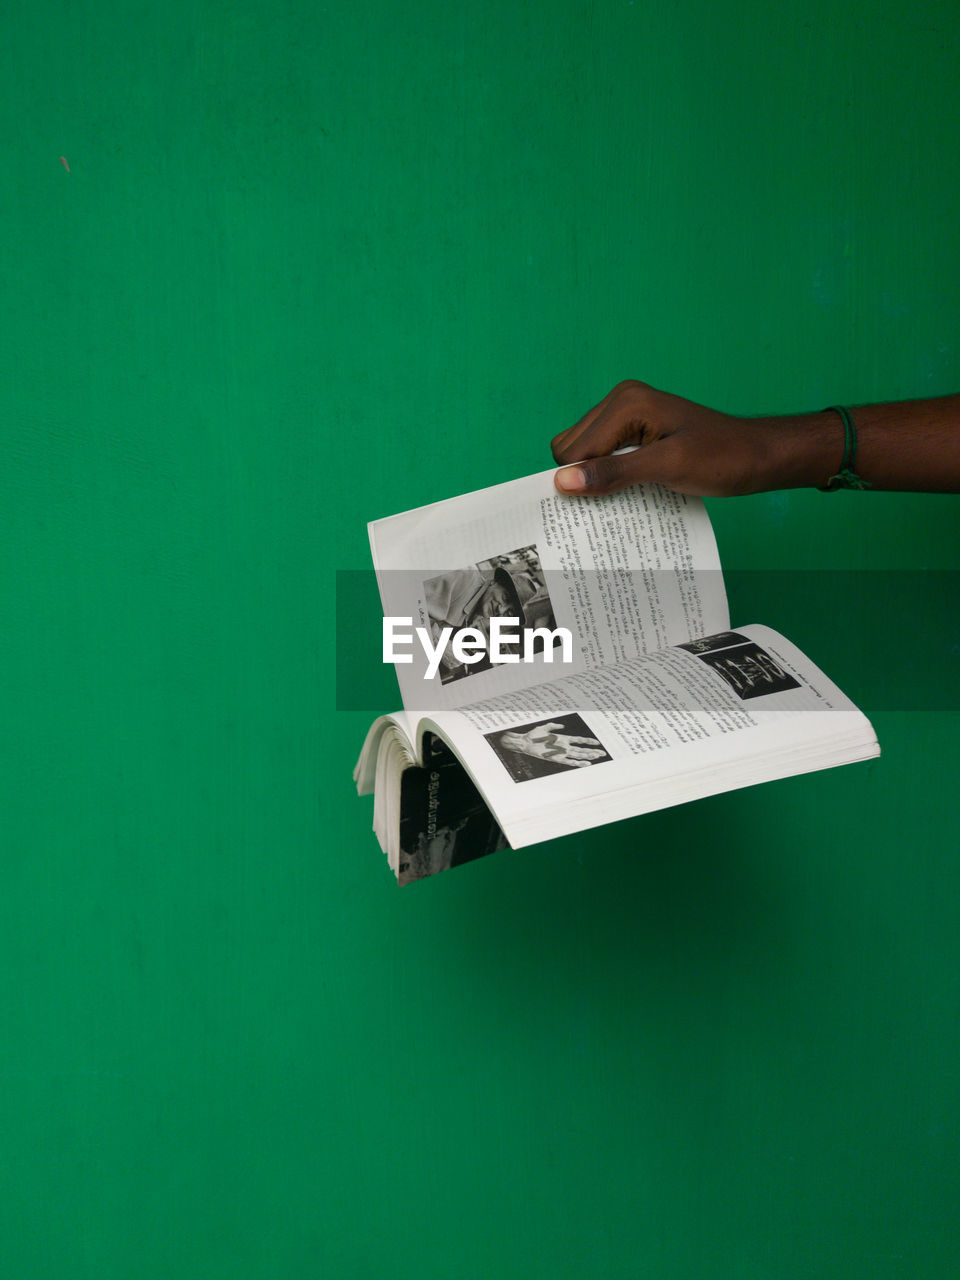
(444,820)
(750,671)
(537,750)
(511,585)
(722,640)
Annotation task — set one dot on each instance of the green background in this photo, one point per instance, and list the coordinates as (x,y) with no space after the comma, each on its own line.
(315,263)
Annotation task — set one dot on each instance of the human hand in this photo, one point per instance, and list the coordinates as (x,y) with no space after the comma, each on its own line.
(545,743)
(690,448)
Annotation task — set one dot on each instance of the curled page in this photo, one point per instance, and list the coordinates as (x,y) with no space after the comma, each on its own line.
(620,576)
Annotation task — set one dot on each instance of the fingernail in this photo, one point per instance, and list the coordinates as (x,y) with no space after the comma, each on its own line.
(572,479)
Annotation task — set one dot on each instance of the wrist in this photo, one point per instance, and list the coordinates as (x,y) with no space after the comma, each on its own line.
(800,451)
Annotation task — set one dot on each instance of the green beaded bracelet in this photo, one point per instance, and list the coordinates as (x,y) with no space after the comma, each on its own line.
(846,477)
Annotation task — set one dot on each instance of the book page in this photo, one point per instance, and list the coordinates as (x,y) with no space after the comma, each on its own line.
(444,821)
(624,574)
(688,721)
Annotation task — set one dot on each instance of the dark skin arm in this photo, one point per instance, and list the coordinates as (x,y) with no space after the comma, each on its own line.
(908,445)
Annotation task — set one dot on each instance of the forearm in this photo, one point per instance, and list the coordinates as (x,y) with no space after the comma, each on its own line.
(906,445)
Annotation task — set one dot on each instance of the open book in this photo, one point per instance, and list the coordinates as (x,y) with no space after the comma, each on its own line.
(629,692)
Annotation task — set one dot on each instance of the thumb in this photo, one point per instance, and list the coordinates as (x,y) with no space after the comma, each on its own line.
(606,475)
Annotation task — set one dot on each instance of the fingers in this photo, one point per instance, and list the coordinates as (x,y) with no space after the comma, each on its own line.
(655,463)
(607,430)
(620,418)
(559,441)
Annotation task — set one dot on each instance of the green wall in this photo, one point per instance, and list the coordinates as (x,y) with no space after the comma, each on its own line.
(316,263)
